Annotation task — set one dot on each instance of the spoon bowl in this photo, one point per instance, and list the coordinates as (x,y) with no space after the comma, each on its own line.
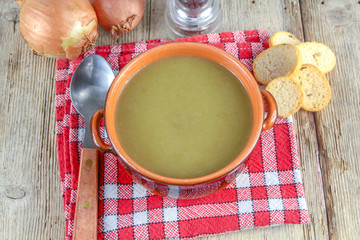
(88,89)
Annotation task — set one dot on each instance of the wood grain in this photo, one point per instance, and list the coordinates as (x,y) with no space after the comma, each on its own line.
(30,196)
(86,209)
(337,24)
(27,153)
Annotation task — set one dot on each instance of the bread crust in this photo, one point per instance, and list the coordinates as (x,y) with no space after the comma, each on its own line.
(278,38)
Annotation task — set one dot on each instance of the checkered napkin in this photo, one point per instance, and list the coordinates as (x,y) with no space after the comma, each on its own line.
(268,192)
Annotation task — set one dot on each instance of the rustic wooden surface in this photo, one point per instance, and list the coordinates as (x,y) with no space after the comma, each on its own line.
(328,141)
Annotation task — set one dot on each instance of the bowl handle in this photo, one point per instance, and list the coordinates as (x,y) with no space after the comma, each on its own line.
(95,131)
(270,119)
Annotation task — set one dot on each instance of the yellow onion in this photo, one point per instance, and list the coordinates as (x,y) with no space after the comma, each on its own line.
(119,16)
(58,27)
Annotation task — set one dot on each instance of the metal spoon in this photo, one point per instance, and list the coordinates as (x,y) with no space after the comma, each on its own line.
(88,89)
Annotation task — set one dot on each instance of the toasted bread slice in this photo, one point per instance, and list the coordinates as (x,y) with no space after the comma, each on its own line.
(317,54)
(280,61)
(287,94)
(315,86)
(283,37)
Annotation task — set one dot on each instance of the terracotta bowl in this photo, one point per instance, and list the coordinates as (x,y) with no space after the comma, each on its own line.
(194,187)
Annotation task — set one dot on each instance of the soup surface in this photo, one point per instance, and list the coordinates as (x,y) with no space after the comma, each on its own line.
(183,117)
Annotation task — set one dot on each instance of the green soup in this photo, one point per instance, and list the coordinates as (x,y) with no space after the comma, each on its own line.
(183,117)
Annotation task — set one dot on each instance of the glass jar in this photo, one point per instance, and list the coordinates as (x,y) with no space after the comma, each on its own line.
(185,18)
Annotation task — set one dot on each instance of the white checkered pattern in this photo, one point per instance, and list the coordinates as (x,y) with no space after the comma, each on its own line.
(272,178)
(111,191)
(246,206)
(140,218)
(276,204)
(243,180)
(171,214)
(109,223)
(139,191)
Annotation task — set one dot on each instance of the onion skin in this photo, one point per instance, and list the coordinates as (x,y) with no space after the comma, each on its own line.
(58,28)
(119,16)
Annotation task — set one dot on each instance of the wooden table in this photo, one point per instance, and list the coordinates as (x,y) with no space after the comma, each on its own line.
(328,141)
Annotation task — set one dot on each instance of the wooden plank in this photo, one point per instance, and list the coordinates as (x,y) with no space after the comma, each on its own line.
(337,24)
(30,196)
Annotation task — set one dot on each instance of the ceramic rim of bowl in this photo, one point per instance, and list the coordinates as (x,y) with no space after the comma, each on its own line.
(185,49)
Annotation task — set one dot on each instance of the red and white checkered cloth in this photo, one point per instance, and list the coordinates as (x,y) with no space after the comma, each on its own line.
(269,191)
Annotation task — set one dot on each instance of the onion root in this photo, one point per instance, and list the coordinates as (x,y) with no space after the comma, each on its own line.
(124,26)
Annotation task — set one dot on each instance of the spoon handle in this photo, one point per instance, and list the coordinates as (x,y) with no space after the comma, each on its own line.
(86,210)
